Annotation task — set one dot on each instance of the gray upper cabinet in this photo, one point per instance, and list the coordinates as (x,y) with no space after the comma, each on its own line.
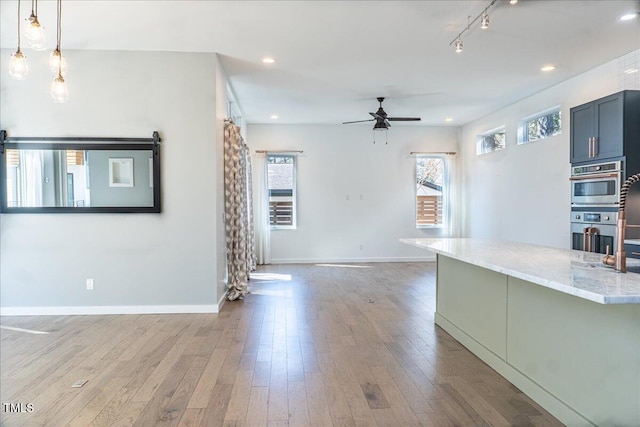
(606,128)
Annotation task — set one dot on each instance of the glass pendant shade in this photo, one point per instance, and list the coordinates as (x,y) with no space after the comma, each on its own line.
(34,34)
(54,63)
(18,67)
(59,90)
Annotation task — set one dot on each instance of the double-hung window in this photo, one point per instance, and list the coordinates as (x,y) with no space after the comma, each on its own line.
(281,181)
(431,197)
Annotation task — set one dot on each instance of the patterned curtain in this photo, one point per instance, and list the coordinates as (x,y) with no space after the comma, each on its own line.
(238,212)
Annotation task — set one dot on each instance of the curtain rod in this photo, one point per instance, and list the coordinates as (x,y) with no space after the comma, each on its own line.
(433,152)
(279,151)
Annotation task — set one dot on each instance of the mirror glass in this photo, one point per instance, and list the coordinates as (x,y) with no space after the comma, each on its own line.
(75,177)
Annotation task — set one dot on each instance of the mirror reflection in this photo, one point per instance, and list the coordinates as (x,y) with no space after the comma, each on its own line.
(79,178)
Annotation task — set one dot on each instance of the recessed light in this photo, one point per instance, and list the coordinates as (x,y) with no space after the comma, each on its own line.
(268,60)
(628,16)
(548,68)
(274,116)
(448,119)
(513,1)
(630,70)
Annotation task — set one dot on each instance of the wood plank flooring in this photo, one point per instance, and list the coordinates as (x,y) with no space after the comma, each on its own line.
(305,348)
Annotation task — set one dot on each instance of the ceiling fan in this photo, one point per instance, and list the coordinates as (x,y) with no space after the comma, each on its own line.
(382,120)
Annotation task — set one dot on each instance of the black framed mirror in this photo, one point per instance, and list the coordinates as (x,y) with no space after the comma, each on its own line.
(79,174)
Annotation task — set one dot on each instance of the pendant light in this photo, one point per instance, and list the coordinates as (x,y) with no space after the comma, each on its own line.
(57,62)
(34,32)
(59,90)
(18,67)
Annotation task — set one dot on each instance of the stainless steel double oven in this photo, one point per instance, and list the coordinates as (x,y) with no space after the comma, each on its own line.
(595,191)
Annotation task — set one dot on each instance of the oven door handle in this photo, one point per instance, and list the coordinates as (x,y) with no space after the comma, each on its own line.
(594,234)
(596,176)
(586,239)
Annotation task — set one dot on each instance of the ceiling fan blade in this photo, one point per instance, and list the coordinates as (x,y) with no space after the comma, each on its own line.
(377,116)
(404,119)
(358,121)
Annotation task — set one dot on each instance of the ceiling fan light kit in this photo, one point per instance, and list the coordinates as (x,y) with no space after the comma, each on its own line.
(382,119)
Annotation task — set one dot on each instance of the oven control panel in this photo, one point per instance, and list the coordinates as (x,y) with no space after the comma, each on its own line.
(597,168)
(595,217)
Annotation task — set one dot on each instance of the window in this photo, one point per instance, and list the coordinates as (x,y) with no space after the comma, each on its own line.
(281,180)
(430,179)
(493,140)
(540,126)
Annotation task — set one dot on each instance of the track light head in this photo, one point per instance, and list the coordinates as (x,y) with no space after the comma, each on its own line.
(485,21)
(458,45)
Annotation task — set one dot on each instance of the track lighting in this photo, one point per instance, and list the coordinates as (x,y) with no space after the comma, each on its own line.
(458,45)
(18,67)
(484,24)
(485,21)
(34,32)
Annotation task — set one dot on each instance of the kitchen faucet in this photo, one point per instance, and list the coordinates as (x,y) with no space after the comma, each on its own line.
(619,260)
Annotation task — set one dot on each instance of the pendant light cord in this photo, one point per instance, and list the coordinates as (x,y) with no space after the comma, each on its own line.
(59,33)
(18,25)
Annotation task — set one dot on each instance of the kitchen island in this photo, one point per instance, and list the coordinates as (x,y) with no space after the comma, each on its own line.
(554,322)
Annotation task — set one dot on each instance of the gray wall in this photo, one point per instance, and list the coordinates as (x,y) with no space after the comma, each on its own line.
(141,194)
(135,259)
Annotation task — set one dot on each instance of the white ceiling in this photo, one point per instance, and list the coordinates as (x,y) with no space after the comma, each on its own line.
(335,57)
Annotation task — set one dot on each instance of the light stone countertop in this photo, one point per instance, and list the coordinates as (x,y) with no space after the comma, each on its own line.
(572,272)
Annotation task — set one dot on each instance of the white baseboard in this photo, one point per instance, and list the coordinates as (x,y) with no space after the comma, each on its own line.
(221,301)
(115,309)
(427,258)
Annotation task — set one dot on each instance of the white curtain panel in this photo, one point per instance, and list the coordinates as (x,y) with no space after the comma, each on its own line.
(262,225)
(31,178)
(240,251)
(452,227)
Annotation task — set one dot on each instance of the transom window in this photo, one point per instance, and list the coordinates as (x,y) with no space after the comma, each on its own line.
(490,141)
(281,181)
(541,125)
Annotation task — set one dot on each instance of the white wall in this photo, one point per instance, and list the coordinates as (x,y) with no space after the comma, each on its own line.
(135,259)
(522,193)
(341,161)
(221,243)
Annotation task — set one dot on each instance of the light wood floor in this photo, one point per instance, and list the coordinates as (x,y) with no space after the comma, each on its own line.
(307,347)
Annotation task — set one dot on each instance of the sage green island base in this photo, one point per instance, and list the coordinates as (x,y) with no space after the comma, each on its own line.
(577,358)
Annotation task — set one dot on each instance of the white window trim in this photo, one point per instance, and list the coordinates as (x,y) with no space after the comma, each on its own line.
(445,171)
(294,196)
(522,122)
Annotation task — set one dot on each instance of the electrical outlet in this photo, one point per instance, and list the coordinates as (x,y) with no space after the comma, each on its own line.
(361,247)
(347,197)
(89,284)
